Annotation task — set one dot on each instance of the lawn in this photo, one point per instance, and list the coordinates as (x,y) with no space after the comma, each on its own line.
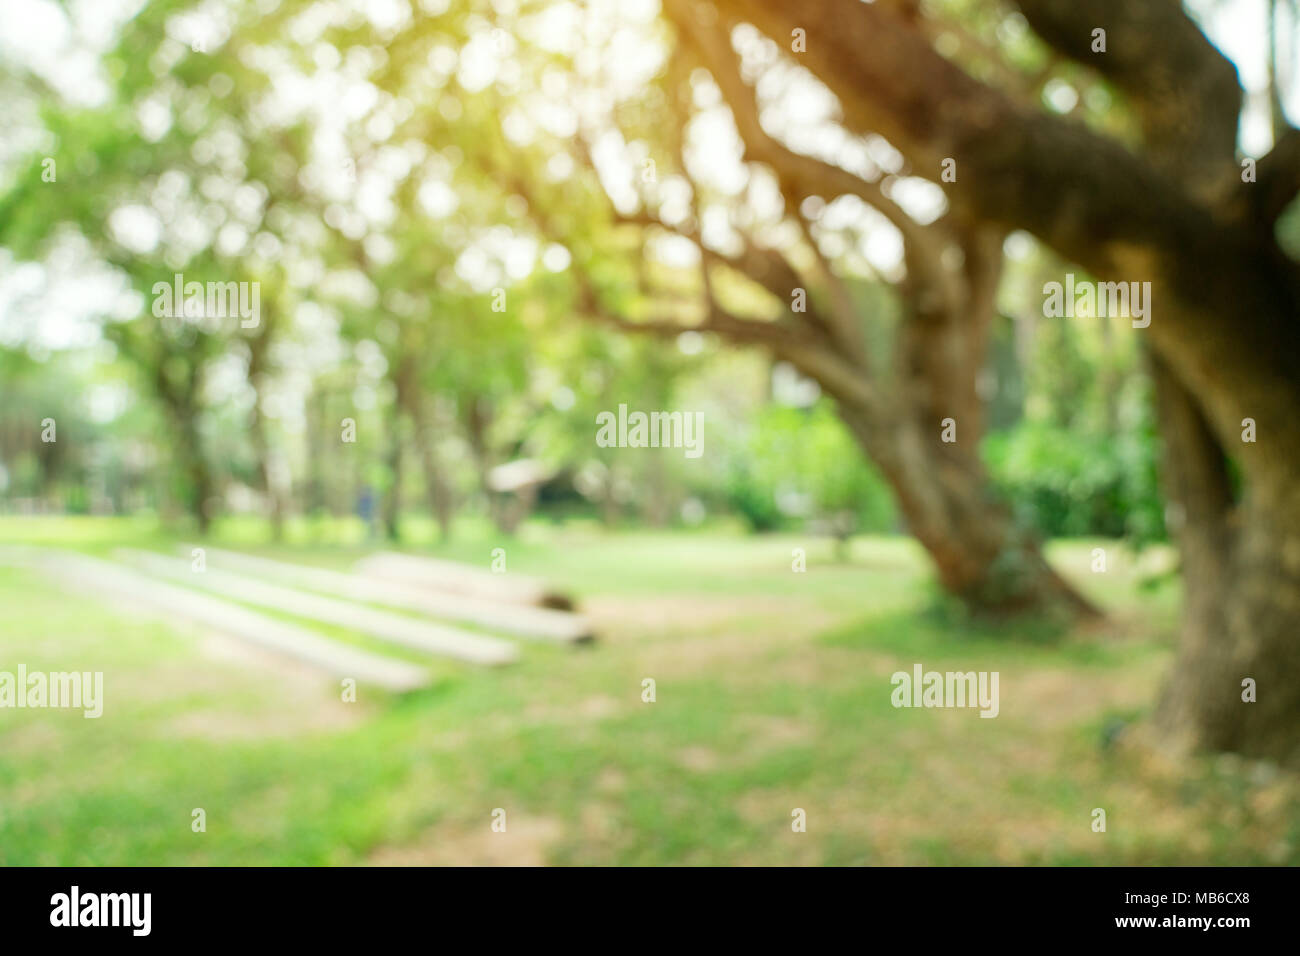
(772,693)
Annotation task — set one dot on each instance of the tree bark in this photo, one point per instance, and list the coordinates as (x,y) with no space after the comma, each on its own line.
(1241,577)
(943,492)
(1225,351)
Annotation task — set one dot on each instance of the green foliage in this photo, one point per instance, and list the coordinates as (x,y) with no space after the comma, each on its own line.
(1070,483)
(377,304)
(803,463)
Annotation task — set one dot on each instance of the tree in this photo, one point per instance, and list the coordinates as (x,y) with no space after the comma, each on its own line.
(1175,210)
(918,416)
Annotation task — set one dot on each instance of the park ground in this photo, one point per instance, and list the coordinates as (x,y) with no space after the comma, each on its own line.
(772,693)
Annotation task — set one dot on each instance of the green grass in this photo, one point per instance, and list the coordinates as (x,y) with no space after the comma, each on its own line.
(772,689)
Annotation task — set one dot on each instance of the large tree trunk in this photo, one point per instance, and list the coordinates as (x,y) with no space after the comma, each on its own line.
(1241,574)
(1200,516)
(1239,629)
(1263,623)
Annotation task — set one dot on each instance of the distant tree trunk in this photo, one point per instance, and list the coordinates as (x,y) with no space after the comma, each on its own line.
(48,455)
(198,474)
(392,505)
(478,418)
(181,403)
(436,487)
(317,430)
(610,508)
(655,506)
(262,449)
(258,348)
(515,507)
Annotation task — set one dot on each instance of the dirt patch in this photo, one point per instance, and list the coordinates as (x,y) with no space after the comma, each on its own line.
(745,644)
(525,842)
(623,617)
(773,733)
(297,699)
(284,721)
(597,708)
(699,759)
(611,781)
(1054,699)
(33,738)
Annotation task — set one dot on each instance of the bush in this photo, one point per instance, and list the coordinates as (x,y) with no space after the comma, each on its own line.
(1074,483)
(802,463)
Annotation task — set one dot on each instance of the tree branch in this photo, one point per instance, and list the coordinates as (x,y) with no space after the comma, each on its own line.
(1186,93)
(889,80)
(810,175)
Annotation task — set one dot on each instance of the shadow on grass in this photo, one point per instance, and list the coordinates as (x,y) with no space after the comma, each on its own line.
(937,629)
